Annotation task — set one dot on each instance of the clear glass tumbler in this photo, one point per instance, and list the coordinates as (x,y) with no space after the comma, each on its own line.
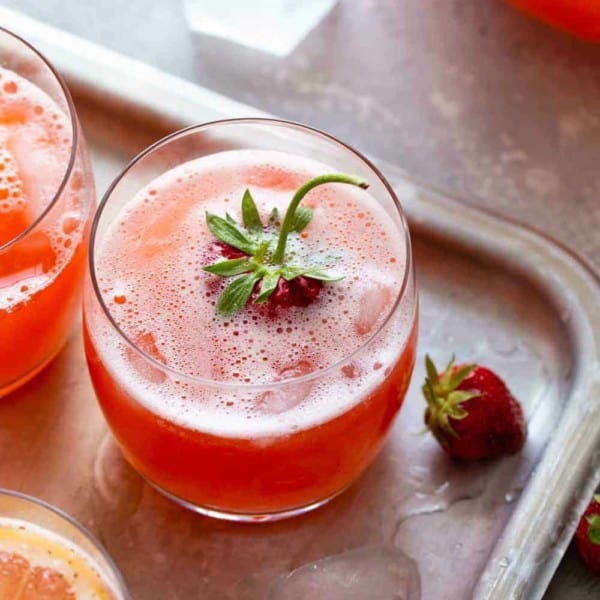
(158,412)
(44,550)
(46,195)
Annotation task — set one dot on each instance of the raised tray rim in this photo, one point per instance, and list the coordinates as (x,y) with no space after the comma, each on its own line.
(529,550)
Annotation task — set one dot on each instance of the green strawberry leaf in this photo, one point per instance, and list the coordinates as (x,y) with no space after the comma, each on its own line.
(430,368)
(594,529)
(228,232)
(250,214)
(229,268)
(322,275)
(457,397)
(274,217)
(267,286)
(289,272)
(459,376)
(302,217)
(236,294)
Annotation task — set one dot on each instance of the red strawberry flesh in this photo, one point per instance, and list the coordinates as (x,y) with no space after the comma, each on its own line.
(588,549)
(300,291)
(225,250)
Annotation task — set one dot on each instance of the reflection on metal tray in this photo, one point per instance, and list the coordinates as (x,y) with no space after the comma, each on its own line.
(491,290)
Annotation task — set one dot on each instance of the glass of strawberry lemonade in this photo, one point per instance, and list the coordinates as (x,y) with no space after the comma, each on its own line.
(46,555)
(250,317)
(46,191)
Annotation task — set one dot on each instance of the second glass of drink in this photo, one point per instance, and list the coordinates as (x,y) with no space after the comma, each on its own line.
(46,196)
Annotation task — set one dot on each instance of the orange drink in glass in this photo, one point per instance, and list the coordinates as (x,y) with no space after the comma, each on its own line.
(46,555)
(262,409)
(46,191)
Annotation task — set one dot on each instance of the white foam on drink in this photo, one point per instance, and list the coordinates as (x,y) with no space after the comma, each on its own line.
(149,270)
(35,149)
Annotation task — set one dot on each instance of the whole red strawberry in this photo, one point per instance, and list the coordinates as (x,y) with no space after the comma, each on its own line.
(588,536)
(471,412)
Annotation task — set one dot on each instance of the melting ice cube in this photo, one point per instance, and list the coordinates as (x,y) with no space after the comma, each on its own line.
(380,573)
(291,394)
(372,303)
(147,343)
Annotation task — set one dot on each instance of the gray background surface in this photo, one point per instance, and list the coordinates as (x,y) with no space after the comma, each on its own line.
(466,95)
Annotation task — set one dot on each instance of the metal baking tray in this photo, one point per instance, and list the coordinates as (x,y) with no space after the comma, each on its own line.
(490,290)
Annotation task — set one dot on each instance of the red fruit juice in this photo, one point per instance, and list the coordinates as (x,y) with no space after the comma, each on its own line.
(41,262)
(270,410)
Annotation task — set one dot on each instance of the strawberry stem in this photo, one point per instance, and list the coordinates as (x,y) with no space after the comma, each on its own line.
(288,220)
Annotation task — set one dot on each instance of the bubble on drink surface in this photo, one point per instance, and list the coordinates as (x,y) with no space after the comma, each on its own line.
(35,150)
(370,572)
(157,246)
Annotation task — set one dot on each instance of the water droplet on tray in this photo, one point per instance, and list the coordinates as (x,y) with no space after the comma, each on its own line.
(118,485)
(370,572)
(502,343)
(511,495)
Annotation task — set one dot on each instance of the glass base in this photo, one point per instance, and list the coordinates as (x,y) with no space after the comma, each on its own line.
(243,517)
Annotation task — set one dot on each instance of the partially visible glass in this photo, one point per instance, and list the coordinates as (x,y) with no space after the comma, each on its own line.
(275,26)
(237,473)
(580,17)
(46,195)
(46,552)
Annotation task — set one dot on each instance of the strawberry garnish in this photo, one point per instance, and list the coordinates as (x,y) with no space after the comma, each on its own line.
(588,536)
(257,257)
(471,412)
(300,291)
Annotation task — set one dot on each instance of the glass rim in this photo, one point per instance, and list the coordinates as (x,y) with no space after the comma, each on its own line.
(119,579)
(240,385)
(74,140)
